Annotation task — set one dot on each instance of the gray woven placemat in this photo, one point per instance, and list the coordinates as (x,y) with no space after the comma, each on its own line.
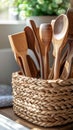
(6,98)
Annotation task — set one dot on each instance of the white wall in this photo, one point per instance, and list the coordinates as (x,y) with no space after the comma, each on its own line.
(8,64)
(6,28)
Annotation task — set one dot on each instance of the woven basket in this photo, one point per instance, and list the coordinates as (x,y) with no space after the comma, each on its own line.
(43,102)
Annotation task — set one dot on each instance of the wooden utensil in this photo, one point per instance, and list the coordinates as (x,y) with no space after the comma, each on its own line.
(62,62)
(60,32)
(45,32)
(38,44)
(19,46)
(51,74)
(31,40)
(71,74)
(68,65)
(70,19)
(33,69)
(52,23)
(70,34)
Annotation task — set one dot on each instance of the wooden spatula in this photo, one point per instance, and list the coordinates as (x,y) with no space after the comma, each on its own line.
(19,46)
(60,32)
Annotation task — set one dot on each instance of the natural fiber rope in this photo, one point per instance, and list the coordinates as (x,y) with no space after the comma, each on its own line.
(43,102)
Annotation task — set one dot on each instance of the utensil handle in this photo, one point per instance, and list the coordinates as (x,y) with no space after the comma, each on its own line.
(71,74)
(46,65)
(19,61)
(25,64)
(57,65)
(67,68)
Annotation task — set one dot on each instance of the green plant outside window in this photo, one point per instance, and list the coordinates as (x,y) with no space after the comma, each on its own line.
(38,7)
(41,7)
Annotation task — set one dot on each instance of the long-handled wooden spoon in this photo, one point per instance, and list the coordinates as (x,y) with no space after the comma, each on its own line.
(62,61)
(60,33)
(45,32)
(19,46)
(38,44)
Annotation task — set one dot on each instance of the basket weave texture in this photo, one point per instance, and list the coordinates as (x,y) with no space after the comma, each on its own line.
(43,102)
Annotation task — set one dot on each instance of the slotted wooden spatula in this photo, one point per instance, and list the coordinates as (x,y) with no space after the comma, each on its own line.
(19,46)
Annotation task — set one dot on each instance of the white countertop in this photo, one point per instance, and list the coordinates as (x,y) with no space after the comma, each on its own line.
(8,124)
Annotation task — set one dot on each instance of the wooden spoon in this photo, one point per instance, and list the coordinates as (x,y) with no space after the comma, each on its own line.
(46,37)
(60,32)
(19,46)
(38,44)
(62,61)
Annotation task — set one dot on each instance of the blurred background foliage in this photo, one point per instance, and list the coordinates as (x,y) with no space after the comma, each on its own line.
(36,7)
(4,4)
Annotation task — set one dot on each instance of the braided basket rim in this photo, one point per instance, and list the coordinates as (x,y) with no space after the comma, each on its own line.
(66,81)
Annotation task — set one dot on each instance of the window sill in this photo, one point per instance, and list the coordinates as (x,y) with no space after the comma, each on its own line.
(6,18)
(12,22)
